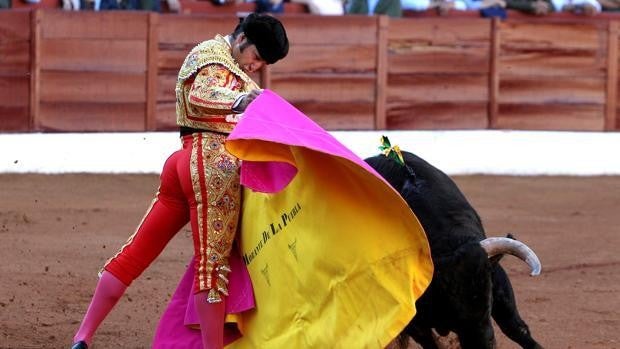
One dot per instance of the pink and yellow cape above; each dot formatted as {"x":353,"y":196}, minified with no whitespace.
{"x":336,"y":257}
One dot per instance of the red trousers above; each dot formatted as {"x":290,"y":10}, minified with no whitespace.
{"x":199,"y":184}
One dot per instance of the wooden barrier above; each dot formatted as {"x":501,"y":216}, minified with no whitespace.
{"x":552,"y":75}
{"x":92,"y":71}
{"x":15,"y":68}
{"x":116,"y":71}
{"x":334,"y":79}
{"x":611,"y":112}
{"x":337,"y":93}
{"x":438,"y":73}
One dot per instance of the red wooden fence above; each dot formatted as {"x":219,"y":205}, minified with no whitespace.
{"x":115,"y":71}
{"x":15,"y":70}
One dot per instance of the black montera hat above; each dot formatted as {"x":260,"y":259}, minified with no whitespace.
{"x":268,"y":34}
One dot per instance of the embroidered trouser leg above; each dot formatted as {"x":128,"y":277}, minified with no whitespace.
{"x":216,"y":198}
{"x":200,"y":184}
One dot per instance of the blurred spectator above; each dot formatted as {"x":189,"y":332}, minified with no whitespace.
{"x":578,"y":7}
{"x":173,"y":5}
{"x":484,"y":4}
{"x":488,"y":8}
{"x":147,"y":5}
{"x":323,"y":7}
{"x":416,"y":5}
{"x":262,"y":6}
{"x":269,"y":6}
{"x":88,"y":5}
{"x":71,"y":5}
{"x":442,"y":6}
{"x":391,"y":8}
{"x":102,"y":5}
{"x":610,"y":5}
{"x":535,"y":7}
{"x":544,"y":7}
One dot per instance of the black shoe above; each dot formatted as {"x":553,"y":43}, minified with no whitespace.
{"x":79,"y":345}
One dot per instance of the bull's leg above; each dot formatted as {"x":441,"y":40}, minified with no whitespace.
{"x":400,"y":342}
{"x":422,"y":336}
{"x":477,"y":336}
{"x":506,"y":314}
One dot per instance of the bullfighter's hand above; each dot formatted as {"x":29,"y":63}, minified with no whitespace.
{"x":249,"y":98}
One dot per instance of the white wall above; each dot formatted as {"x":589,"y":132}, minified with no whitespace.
{"x":455,"y":152}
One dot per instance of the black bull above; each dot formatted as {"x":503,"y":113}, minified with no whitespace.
{"x":469,"y":285}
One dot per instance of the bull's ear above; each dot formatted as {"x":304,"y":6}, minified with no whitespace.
{"x":495,"y":259}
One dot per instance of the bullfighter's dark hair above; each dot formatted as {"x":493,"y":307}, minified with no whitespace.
{"x":267,"y":33}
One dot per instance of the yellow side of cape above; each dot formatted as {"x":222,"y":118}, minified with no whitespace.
{"x":337,"y":258}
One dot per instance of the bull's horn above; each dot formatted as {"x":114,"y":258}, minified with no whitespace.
{"x":497,"y":245}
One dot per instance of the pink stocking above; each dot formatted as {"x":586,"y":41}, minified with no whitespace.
{"x":211,"y":317}
{"x":109,"y":290}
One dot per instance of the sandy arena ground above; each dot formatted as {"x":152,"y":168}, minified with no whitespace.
{"x":56,"y":231}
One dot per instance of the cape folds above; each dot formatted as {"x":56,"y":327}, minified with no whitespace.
{"x":336,"y":257}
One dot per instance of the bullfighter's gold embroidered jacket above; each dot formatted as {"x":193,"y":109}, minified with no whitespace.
{"x":208,"y":84}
